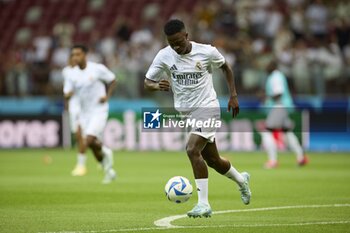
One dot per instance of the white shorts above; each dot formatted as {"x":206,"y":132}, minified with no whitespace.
{"x":211,"y":113}
{"x":74,"y":112}
{"x":210,"y":136}
{"x":93,"y":124}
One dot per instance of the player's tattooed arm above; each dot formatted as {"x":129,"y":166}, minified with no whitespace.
{"x":162,"y":85}
{"x":233,"y":101}
{"x":66,"y":104}
{"x":67,"y":96}
{"x":110,"y":88}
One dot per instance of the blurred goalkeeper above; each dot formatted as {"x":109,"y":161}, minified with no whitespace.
{"x":279,"y":102}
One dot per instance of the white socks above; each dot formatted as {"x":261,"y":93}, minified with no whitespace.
{"x":294,"y":145}
{"x":81,"y":159}
{"x":270,"y":146}
{"x":105,"y":149}
{"x":234,"y":175}
{"x":202,"y":190}
{"x":202,"y":184}
{"x":107,"y":161}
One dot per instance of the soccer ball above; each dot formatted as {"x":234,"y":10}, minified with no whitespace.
{"x":178,"y":189}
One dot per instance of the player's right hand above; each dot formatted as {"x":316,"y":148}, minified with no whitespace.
{"x":233,"y":105}
{"x":164,"y":85}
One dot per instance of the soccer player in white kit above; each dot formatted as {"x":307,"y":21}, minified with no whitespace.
{"x":189,"y":65}
{"x":73,"y":107}
{"x":279,"y":102}
{"x":93,"y":84}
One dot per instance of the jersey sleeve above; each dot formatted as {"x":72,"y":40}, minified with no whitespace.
{"x":156,"y":69}
{"x":67,"y":82}
{"x":105,"y":74}
{"x":277,"y":85}
{"x":216,"y":58}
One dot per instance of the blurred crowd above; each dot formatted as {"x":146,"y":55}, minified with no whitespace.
{"x":310,"y":39}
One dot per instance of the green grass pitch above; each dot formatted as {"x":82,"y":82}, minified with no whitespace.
{"x":37,"y":195}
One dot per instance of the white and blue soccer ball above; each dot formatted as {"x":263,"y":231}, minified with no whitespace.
{"x":178,"y":189}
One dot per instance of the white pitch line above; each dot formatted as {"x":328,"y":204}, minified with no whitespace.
{"x":166,"y":222}
{"x":212,"y":226}
{"x":268,"y":225}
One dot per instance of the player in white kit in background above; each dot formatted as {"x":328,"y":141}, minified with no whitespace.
{"x":189,"y":65}
{"x":93,"y":84}
{"x":73,"y":107}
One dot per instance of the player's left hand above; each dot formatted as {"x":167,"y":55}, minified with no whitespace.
{"x":164,"y":85}
{"x":103,"y":99}
{"x":233,"y":105}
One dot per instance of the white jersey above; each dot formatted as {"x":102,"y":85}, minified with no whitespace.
{"x":89,"y":86}
{"x":191,"y":74}
{"x":74,"y":106}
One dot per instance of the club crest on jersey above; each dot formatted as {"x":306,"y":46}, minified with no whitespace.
{"x":199,"y":66}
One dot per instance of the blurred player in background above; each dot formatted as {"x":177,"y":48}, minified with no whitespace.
{"x":190,"y":64}
{"x":93,"y":84}
{"x":279,"y":103}
{"x":73,"y":107}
